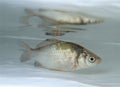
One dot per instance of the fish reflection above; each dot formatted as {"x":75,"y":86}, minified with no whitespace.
{"x":53,"y":17}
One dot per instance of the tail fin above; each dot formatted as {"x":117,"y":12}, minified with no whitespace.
{"x":26,"y":54}
{"x":30,"y":12}
{"x":25,"y":19}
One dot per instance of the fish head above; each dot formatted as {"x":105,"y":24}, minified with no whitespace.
{"x":88,"y":59}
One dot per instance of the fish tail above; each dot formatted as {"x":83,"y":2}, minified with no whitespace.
{"x":30,"y":12}
{"x":26,"y":56}
{"x":25,"y":19}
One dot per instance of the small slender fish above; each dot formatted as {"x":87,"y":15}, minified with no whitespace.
{"x":60,"y":17}
{"x":60,"y":55}
{"x":52,"y":31}
{"x":55,"y":33}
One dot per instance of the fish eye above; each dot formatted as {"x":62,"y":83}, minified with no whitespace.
{"x":92,"y":59}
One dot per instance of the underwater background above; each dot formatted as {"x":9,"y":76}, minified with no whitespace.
{"x":103,"y":39}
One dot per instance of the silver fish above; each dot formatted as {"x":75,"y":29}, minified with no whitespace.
{"x":60,"y":17}
{"x":60,"y":55}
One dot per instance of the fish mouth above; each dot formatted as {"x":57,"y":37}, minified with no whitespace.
{"x":99,"y":60}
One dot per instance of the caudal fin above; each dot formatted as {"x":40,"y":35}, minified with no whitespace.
{"x":26,"y":53}
{"x":29,"y":12}
{"x":25,"y":19}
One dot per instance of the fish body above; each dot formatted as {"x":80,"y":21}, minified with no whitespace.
{"x":60,"y":17}
{"x":60,"y":55}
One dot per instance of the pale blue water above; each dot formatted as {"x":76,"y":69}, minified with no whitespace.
{"x":103,"y":39}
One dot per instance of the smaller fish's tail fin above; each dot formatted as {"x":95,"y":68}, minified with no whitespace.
{"x":26,"y":55}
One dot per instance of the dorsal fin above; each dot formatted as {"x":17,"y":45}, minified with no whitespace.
{"x":47,"y":42}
